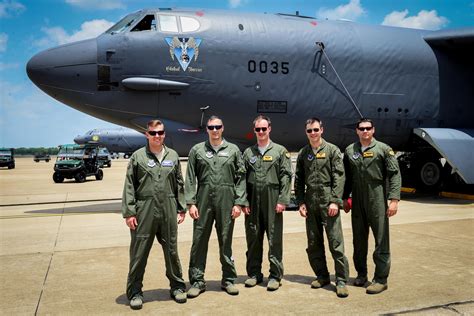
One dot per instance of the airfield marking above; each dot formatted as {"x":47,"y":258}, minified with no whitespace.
{"x":59,"y":214}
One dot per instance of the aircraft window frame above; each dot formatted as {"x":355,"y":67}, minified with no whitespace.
{"x":192,"y":25}
{"x":124,"y":23}
{"x":143,"y":21}
{"x":174,"y":24}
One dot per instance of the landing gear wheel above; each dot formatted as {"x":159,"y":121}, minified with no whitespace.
{"x":57,"y":177}
{"x":99,"y":175}
{"x":80,"y":177}
{"x":430,"y":174}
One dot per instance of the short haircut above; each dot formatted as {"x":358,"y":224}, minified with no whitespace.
{"x":262,"y":117}
{"x":312,"y":120}
{"x":365,"y":120}
{"x":214,"y":117}
{"x":155,"y":123}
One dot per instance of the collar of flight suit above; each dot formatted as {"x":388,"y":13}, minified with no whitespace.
{"x":371,"y":145}
{"x":320,"y":148}
{"x":209,"y":146}
{"x":255,"y":148}
{"x":151,"y":154}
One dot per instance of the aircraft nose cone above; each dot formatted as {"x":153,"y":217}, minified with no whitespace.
{"x":67,"y":67}
{"x":79,"y":140}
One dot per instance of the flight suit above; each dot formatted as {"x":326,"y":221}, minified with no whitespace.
{"x":154,"y":193}
{"x":268,"y":183}
{"x":323,"y":175}
{"x":215,"y":183}
{"x":373,"y":176}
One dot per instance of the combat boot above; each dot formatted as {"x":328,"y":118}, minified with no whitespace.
{"x":252,"y":281}
{"x":230,"y":288}
{"x":136,"y":302}
{"x":319,"y":283}
{"x":179,"y":296}
{"x":376,"y":288}
{"x":273,"y":285}
{"x":341,"y":289}
{"x":195,"y":290}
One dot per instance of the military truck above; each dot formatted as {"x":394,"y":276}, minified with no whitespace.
{"x":39,"y":157}
{"x":77,"y":162}
{"x":105,"y":159}
{"x":7,"y":158}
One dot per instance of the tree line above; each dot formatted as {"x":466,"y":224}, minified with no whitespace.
{"x":36,"y":150}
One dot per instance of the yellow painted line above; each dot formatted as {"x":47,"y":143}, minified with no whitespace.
{"x":460,"y":196}
{"x":408,"y":190}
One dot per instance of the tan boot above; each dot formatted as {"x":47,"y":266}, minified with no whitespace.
{"x":319,"y":283}
{"x":376,"y":288}
{"x":341,"y":289}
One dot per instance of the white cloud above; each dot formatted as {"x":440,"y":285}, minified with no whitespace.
{"x":428,"y":20}
{"x":94,"y":4}
{"x":57,"y":35}
{"x":236,"y":3}
{"x":3,"y":42}
{"x":350,"y":11}
{"x":10,"y":8}
{"x":5,"y":66}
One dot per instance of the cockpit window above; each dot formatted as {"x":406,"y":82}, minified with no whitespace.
{"x":189,"y":24}
{"x":148,"y":23}
{"x":123,"y":24}
{"x":168,"y":23}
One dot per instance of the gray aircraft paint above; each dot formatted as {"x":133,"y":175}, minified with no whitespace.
{"x":402,"y":78}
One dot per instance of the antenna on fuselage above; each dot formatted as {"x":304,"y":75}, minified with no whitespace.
{"x":321,"y":47}
{"x":203,"y":109}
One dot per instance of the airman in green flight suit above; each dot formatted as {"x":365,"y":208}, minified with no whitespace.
{"x":373,"y":177}
{"x":268,"y":177}
{"x":215,"y":192}
{"x":319,"y":184}
{"x":153,"y":205}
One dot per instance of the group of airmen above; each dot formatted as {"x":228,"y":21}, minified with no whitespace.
{"x":221,"y":183}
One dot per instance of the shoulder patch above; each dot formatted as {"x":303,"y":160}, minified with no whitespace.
{"x":391,"y":152}
{"x":287,"y":155}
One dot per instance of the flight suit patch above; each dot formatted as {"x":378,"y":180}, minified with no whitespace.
{"x":209,"y":154}
{"x":151,"y":163}
{"x":253,"y":159}
{"x":368,"y":154}
{"x":223,"y":154}
{"x":320,"y":155}
{"x":287,"y":155}
{"x":267,"y":158}
{"x":167,"y":163}
{"x":356,"y":155}
{"x":310,"y":157}
{"x":391,"y":153}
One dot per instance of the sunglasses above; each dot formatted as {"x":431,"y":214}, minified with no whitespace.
{"x":311,"y":130}
{"x":214,"y":127}
{"x":154,"y":133}
{"x":363,"y":129}
{"x":260,"y":129}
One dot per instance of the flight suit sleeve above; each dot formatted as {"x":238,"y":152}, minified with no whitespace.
{"x":393,"y":175}
{"x":285,"y":178}
{"x":240,"y":197}
{"x":338,"y":177}
{"x":300,"y":179}
{"x":128,"y":196}
{"x":180,"y":200}
{"x":348,"y":174}
{"x":190,"y":187}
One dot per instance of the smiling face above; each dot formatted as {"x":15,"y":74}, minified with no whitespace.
{"x":153,"y":135}
{"x":314,"y":132}
{"x":262,"y":131}
{"x":215,"y":128}
{"x":365,"y":131}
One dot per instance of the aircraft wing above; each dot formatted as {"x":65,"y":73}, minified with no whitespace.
{"x":455,"y":145}
{"x":451,"y":38}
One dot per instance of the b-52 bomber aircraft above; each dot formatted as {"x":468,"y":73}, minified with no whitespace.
{"x":185,"y":65}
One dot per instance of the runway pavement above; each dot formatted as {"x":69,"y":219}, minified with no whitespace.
{"x":64,"y":250}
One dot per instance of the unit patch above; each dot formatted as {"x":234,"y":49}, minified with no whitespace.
{"x":184,"y":49}
{"x":253,"y":159}
{"x":209,"y":154}
{"x":288,"y":155}
{"x":391,"y":153}
{"x":356,"y":155}
{"x":310,"y":157}
{"x":167,"y":163}
{"x":151,"y":163}
{"x":368,"y":154}
{"x":267,"y":158}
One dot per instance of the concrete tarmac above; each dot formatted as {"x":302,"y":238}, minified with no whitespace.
{"x":64,"y":250}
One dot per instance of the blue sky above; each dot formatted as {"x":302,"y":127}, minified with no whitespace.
{"x":29,"y":118}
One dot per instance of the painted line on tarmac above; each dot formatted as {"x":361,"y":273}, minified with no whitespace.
{"x":59,"y":214}
{"x":57,"y":202}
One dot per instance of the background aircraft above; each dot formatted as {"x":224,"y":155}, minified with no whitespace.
{"x":185,"y":65}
